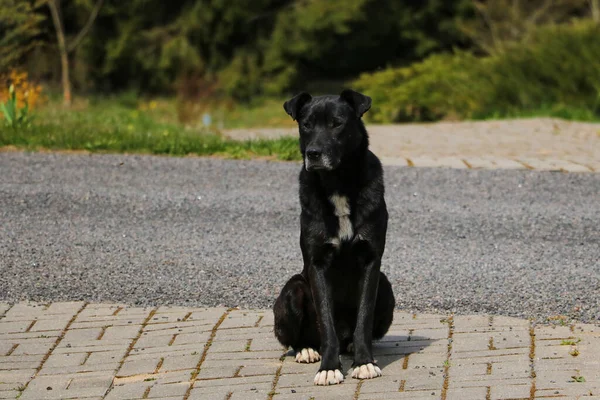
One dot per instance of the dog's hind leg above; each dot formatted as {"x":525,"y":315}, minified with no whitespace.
{"x":384,"y":308}
{"x":295,"y":320}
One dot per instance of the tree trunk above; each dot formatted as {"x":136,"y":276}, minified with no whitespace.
{"x":62,"y":48}
{"x":595,"y":5}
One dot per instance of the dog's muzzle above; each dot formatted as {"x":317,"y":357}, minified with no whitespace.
{"x":315,"y":160}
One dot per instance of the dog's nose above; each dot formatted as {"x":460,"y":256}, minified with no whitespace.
{"x":313,"y":154}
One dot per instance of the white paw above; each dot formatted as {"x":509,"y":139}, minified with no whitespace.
{"x":307,"y":356}
{"x":366,"y":371}
{"x":329,"y":377}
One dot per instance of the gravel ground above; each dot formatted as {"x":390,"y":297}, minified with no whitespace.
{"x":192,"y":231}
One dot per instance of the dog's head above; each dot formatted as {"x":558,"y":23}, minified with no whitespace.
{"x":330,"y":126}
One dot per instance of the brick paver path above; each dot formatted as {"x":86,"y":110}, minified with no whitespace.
{"x":108,"y":351}
{"x":538,"y":144}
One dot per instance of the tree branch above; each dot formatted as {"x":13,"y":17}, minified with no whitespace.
{"x":595,"y":6}
{"x":540,"y":12}
{"x":62,"y":48}
{"x":86,"y":28}
{"x":60,"y":33}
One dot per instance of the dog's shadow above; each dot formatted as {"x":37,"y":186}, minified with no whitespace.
{"x":394,"y":348}
{"x":390,"y":349}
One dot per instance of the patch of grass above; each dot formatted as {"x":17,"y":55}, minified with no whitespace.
{"x":574,"y":352}
{"x":558,"y":320}
{"x":108,"y":126}
{"x":149,"y":379}
{"x":20,"y":389}
{"x":578,"y":378}
{"x":569,"y":342}
{"x":562,"y":111}
{"x":262,"y":114}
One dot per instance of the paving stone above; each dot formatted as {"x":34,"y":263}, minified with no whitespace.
{"x":232,"y":381}
{"x":249,"y":330}
{"x":18,"y":365}
{"x":120,"y":332}
{"x":138,"y":367}
{"x":382,"y":384}
{"x":408,"y":395}
{"x":489,"y":381}
{"x":58,"y":388}
{"x":211,"y":314}
{"x":239,"y":322}
{"x":211,"y":391}
{"x":265,"y":344}
{"x":92,"y":381}
{"x":19,"y":376}
{"x":425,"y":161}
{"x":491,"y":353}
{"x":250,"y":395}
{"x":474,"y":393}
{"x":471,"y":323}
{"x":90,"y":346}
{"x":395,"y":161}
{"x":243,"y":355}
{"x":552,"y":332}
{"x":253,"y":370}
{"x":10,"y":394}
{"x":493,"y":163}
{"x":25,"y":309}
{"x":4,"y":307}
{"x":14,"y":326}
{"x":181,"y":349}
{"x":171,"y":389}
{"x":229,"y":346}
{"x":554,"y":165}
{"x":54,"y":324}
{"x":128,"y":391}
{"x":220,"y":372}
{"x":198,"y":338}
{"x":172,"y":328}
{"x":174,"y":363}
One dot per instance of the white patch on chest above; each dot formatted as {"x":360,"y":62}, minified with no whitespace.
{"x":342,"y":211}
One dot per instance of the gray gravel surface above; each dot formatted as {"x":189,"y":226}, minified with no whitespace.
{"x":192,"y":231}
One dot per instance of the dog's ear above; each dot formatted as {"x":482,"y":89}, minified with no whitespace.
{"x":293,"y":105}
{"x":359,"y":102}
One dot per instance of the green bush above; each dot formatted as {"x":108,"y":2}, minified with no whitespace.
{"x":557,"y":73}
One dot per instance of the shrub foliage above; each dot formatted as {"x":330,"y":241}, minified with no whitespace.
{"x":557,"y":70}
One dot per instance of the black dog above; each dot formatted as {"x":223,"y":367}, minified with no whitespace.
{"x":341,"y":299}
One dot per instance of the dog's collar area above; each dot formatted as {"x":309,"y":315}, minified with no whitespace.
{"x":341,"y":208}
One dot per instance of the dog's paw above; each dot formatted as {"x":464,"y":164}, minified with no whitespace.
{"x":366,"y":371}
{"x":307,"y":356}
{"x":329,"y":377}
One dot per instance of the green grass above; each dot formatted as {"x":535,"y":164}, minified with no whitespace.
{"x":561,"y":111}
{"x":111,"y":126}
{"x":263,"y":114}
{"x":569,"y":342}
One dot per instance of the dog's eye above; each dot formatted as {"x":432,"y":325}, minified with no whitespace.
{"x":335,"y":123}
{"x":306,"y":124}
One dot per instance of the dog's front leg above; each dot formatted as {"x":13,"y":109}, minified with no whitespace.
{"x":330,"y":371}
{"x":364,"y":364}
